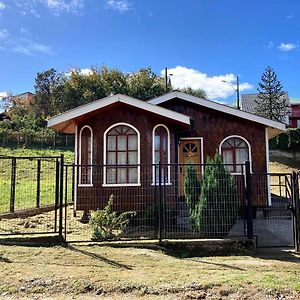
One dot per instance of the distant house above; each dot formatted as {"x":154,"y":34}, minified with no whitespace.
{"x":117,"y":137}
{"x":248,"y":103}
{"x":24,"y":98}
{"x":295,"y":115}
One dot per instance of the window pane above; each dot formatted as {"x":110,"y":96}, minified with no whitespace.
{"x":132,"y":158}
{"x":111,"y":143}
{"x":122,"y":158}
{"x":111,"y":175}
{"x":157,"y":142}
{"x":241,"y":156}
{"x":111,"y":158}
{"x":122,"y":175}
{"x":156,"y":157}
{"x":227,"y":157}
{"x":133,"y":175}
{"x":122,"y":143}
{"x":132,"y":142}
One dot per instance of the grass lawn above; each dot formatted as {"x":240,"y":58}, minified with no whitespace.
{"x":130,"y":272}
{"x":26,"y":177}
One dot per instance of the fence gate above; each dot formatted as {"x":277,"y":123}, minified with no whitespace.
{"x":29,"y":195}
{"x":274,"y":214}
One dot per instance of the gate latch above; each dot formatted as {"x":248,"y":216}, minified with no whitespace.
{"x":290,"y":207}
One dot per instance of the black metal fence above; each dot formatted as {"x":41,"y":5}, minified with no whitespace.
{"x":29,"y":195}
{"x":162,"y":202}
{"x":42,"y":195}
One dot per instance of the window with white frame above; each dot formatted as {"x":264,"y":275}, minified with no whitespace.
{"x":298,"y":123}
{"x":235,"y":151}
{"x":161,"y":153}
{"x":85,"y":155}
{"x":121,"y":155}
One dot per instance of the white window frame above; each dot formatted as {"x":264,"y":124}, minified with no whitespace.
{"x":249,"y":149}
{"x":168,"y":158}
{"x":91,"y":161}
{"x":104,"y":157}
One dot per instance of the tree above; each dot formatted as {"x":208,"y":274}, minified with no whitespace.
{"x":197,"y":93}
{"x":271,"y":102}
{"x":45,"y":101}
{"x":214,"y":210}
{"x":145,"y":84}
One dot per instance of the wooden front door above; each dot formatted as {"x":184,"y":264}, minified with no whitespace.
{"x":189,"y":152}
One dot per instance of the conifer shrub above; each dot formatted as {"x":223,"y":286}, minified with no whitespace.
{"x":107,"y":224}
{"x":213,"y":209}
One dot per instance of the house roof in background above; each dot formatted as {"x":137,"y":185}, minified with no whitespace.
{"x":248,"y":103}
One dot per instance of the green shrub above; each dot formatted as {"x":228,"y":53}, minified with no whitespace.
{"x":287,"y":141}
{"x":108,"y":224}
{"x":191,"y":186}
{"x":215,"y":211}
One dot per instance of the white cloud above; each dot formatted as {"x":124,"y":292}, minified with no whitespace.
{"x":29,"y":47}
{"x":212,"y":85}
{"x":85,"y":71}
{"x":2,"y":5}
{"x":287,"y":47}
{"x":57,"y":7}
{"x":3,"y":33}
{"x":3,"y":94}
{"x":270,"y":45}
{"x":119,"y":5}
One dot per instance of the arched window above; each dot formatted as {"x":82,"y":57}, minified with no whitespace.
{"x":235,"y":150}
{"x":85,"y":155}
{"x":121,"y":155}
{"x":161,"y":153}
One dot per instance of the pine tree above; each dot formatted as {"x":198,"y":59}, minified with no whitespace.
{"x":271,"y":102}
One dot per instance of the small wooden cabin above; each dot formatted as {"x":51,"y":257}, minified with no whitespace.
{"x":119,"y":138}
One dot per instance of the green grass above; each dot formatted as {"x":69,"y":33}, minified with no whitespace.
{"x":26,"y":177}
{"x":118,"y":272}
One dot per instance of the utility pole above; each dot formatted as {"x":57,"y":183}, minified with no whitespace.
{"x":166,"y":79}
{"x":237,"y":92}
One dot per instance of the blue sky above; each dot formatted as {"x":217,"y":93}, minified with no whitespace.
{"x":202,"y":41}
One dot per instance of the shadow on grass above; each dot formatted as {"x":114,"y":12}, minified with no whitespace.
{"x":31,"y":241}
{"x":98,"y":257}
{"x":218,"y":264}
{"x":281,"y":254}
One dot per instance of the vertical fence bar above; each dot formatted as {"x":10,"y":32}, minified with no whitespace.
{"x":66,"y":203}
{"x":61,"y":195}
{"x":296,"y":211}
{"x":160,"y":203}
{"x":38,"y":183}
{"x":13,"y":184}
{"x":56,"y":193}
{"x":249,"y":212}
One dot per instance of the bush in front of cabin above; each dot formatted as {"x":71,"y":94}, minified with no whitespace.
{"x":216,"y":208}
{"x":107,"y":224}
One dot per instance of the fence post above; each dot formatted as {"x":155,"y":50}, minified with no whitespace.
{"x":160,"y":203}
{"x":56,"y":193}
{"x":38,"y":184}
{"x":296,"y":210}
{"x":61,"y":195}
{"x":13,"y":184}
{"x":249,"y":212}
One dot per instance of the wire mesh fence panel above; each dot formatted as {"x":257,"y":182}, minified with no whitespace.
{"x":28,"y":194}
{"x":272,"y":214}
{"x":153,"y":202}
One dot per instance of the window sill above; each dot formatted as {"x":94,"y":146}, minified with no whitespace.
{"x":85,"y":185}
{"x":120,"y":184}
{"x":157,"y":184}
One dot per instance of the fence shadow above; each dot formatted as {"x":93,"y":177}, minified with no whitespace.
{"x":98,"y":257}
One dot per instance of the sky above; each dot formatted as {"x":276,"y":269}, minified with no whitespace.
{"x":201,"y":42}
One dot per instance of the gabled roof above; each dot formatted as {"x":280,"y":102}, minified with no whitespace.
{"x":219,"y":107}
{"x":65,"y":122}
{"x":248,"y":102}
